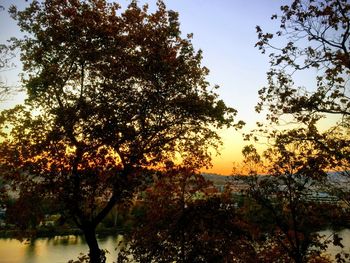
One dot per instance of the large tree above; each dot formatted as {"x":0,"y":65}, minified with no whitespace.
{"x":317,"y":42}
{"x":313,"y":40}
{"x":111,"y":93}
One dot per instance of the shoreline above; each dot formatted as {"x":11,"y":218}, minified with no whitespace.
{"x":50,"y":233}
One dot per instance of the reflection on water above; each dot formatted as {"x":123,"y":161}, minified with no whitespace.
{"x":333,"y":250}
{"x":58,"y":249}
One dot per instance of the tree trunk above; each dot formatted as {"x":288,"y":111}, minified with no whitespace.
{"x":95,"y":254}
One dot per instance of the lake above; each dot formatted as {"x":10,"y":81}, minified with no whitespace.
{"x":60,"y":249}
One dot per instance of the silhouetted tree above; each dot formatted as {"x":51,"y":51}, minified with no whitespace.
{"x":184,"y":223}
{"x":6,"y":63}
{"x":290,"y":214}
{"x":317,"y":35}
{"x":318,"y":41}
{"x":110,"y":94}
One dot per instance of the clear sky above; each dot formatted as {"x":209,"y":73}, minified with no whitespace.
{"x":225,"y":31}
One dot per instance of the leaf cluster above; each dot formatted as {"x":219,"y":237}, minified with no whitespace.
{"x":111,"y":95}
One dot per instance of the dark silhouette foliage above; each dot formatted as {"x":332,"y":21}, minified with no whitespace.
{"x":317,"y":35}
{"x":111,"y":94}
{"x":183,"y":223}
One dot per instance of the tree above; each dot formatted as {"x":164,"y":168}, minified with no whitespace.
{"x":317,"y":35}
{"x":111,"y":94}
{"x":6,"y":63}
{"x":6,"y":56}
{"x":318,"y":41}
{"x":288,"y":217}
{"x":181,"y":223}
{"x":324,"y":28}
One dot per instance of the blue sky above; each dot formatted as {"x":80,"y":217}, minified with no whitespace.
{"x":225,"y":31}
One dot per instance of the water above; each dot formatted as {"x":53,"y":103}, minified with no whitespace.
{"x":62,"y":249}
{"x":333,"y":250}
{"x":59,"y":249}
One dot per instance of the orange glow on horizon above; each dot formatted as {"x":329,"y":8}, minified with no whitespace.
{"x":229,"y":152}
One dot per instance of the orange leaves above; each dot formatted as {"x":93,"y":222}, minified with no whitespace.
{"x":116,"y":94}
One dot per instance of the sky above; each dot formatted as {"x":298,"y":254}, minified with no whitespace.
{"x":225,"y":31}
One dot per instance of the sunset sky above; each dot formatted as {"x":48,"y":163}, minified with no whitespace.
{"x":225,"y":31}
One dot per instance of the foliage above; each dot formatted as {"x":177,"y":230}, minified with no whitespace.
{"x":111,"y":95}
{"x":6,"y":57}
{"x":294,"y":217}
{"x":318,"y":37}
{"x":86,"y":259}
{"x":317,"y":34}
{"x":182,"y":224}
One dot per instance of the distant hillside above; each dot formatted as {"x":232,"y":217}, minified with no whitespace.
{"x":335,"y":178}
{"x":340,"y":179}
{"x":217,"y":179}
